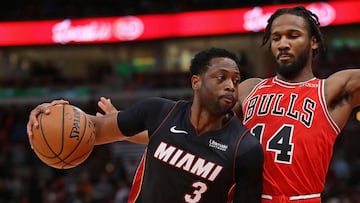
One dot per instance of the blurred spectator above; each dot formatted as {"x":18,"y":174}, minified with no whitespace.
{"x":103,"y":190}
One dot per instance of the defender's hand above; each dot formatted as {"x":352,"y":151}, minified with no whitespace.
{"x":106,"y":105}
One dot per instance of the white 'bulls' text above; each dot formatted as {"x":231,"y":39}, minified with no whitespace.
{"x":266,"y":104}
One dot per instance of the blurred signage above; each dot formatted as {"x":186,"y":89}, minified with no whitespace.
{"x":157,"y":26}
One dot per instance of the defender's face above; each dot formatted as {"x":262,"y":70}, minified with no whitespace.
{"x":291,"y":44}
{"x":219,"y":85}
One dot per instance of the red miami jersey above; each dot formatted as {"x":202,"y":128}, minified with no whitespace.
{"x":297,"y":135}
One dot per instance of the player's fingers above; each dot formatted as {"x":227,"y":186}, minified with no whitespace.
{"x":29,"y":129}
{"x":60,"y":101}
{"x":41,"y":108}
{"x":44,"y":108}
{"x":34,"y":114}
{"x":106,"y":105}
{"x":103,"y":99}
{"x":109,"y":106}
{"x":33,"y":122}
{"x":29,"y":132}
{"x":102,"y":106}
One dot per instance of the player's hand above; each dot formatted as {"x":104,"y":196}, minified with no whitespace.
{"x":34,"y":114}
{"x":106,"y":106}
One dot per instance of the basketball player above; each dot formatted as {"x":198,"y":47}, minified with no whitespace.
{"x":296,"y":116}
{"x":198,"y":151}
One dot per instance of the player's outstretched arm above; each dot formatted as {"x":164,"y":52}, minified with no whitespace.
{"x":353,"y":86}
{"x":348,"y":82}
{"x":342,"y":94}
{"x":106,"y":127}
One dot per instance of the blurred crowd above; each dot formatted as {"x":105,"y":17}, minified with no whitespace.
{"x":55,"y":9}
{"x":106,"y":176}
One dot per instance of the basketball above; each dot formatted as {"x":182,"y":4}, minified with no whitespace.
{"x":65,"y":137}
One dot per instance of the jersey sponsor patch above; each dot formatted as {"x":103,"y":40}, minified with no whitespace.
{"x":217,"y":145}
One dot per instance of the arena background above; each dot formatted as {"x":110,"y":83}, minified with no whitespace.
{"x":126,"y":71}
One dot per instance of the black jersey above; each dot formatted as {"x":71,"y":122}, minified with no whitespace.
{"x":181,"y":166}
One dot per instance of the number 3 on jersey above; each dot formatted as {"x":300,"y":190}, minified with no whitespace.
{"x":280,"y":142}
{"x":195,"y":197}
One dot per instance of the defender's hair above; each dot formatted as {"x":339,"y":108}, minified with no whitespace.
{"x":201,"y":61}
{"x":311,"y":19}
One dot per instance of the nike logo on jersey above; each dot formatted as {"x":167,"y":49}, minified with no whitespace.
{"x":174,"y":130}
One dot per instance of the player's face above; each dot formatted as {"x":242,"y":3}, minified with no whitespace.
{"x":219,"y":83}
{"x":291,"y":45}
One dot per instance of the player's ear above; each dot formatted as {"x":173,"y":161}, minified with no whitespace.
{"x":195,"y":82}
{"x":314,"y":43}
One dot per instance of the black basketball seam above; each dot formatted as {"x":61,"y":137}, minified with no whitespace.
{"x":66,"y":162}
{"x":56,"y":156}
{"x":62,"y":136}
{"x":69,"y":154}
{"x":62,"y":129}
{"x":86,"y":154}
{"x":73,"y":165}
{"x":46,"y":142}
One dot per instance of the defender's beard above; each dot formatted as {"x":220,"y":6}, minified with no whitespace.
{"x":291,"y":70}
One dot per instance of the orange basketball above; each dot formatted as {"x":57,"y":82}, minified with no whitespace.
{"x":65,"y":137}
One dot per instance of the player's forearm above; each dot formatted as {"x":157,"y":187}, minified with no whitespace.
{"x":140,"y":138}
{"x":106,"y":129}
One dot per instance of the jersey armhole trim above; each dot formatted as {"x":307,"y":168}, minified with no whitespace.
{"x":138,"y":180}
{"x":236,"y":152}
{"x":321,"y":93}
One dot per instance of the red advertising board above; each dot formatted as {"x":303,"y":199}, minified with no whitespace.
{"x":146,"y":27}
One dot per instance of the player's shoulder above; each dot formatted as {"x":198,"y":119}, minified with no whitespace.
{"x":344,"y":72}
{"x":153,"y":105}
{"x":336,"y":81}
{"x":250,"y":139}
{"x":247,"y":139}
{"x":341,"y":77}
{"x":158,"y":100}
{"x":152,"y":102}
{"x":249,"y":143}
{"x":250,"y":82}
{"x":246,"y":86}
